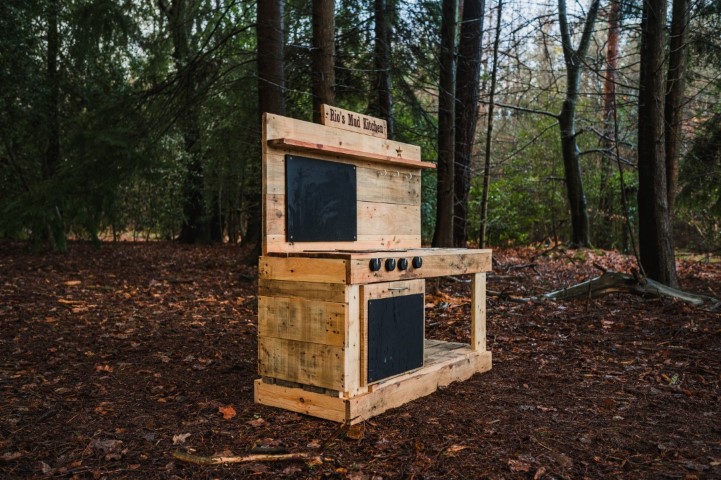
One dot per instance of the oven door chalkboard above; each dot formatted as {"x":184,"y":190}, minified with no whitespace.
{"x":320,"y":200}
{"x":395,"y":336}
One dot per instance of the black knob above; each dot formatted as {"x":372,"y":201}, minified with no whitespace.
{"x":390,"y":264}
{"x":417,"y":262}
{"x":375,"y":264}
{"x":402,"y":263}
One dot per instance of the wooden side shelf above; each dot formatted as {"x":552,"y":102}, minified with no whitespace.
{"x":300,"y":145}
{"x":444,"y":363}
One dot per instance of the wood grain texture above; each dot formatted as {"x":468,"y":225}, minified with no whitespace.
{"x":327,"y":292}
{"x":478,"y":312}
{"x":301,"y":401}
{"x":303,"y":320}
{"x":346,"y":120}
{"x":302,"y":362}
{"x":305,"y":269}
{"x":279,"y":127}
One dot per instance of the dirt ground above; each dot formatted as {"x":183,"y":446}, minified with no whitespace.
{"x":113,"y":359}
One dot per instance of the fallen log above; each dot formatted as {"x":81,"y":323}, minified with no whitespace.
{"x":286,"y":457}
{"x":616,"y":282}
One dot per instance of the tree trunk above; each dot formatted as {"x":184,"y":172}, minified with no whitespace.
{"x":383,"y":14}
{"x":654,"y":235}
{"x":195,"y":226}
{"x":574,"y":59}
{"x":322,"y":55}
{"x":53,"y":231}
{"x":271,"y":99}
{"x":489,"y":132}
{"x":466,"y":114}
{"x":675,"y":84}
{"x":443,"y":235}
{"x":271,"y":71}
{"x":606,"y":193}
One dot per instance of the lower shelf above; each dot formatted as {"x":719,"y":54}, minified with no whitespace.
{"x":444,"y":363}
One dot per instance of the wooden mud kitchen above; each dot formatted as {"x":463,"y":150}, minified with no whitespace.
{"x":341,"y":283}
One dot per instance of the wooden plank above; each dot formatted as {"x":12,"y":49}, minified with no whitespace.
{"x":392,"y":289}
{"x":355,"y":122}
{"x":302,"y":362}
{"x":301,"y":401}
{"x":303,"y":320}
{"x":278,"y":127}
{"x":373,"y":218}
{"x":328,"y":292}
{"x":417,"y":384}
{"x":400,"y":185}
{"x":283,"y":127}
{"x":434,"y":265}
{"x":384,"y":218}
{"x":352,"y":367}
{"x":305,"y":269}
{"x":277,"y":244}
{"x":478,"y":312}
{"x":294,"y":144}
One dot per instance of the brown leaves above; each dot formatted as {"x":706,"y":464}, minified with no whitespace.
{"x":228,"y":412}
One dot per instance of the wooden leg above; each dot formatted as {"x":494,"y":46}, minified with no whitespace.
{"x":352,"y":367}
{"x":478,"y":313}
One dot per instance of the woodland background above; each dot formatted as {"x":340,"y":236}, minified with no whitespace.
{"x":140,"y":119}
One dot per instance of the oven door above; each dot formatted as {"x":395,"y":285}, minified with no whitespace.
{"x":392,"y":337}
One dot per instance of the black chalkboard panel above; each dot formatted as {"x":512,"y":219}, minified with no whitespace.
{"x":320,"y":200}
{"x":395,"y":335}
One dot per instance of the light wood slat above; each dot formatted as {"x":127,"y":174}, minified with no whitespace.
{"x":279,"y":127}
{"x":478,"y":312}
{"x":302,"y":362}
{"x":303,"y":146}
{"x":381,"y":218}
{"x":327,"y":292}
{"x":305,"y":269}
{"x":301,"y":401}
{"x":352,"y":354}
{"x":277,"y":244}
{"x":433,"y":266}
{"x":339,"y":118}
{"x":372,"y":218}
{"x":400,"y":390}
{"x":375,"y":184}
{"x":303,"y":320}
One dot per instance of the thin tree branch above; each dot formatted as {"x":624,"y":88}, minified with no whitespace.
{"x":522,"y":109}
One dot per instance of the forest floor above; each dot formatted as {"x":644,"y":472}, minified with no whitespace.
{"x":112,"y":359}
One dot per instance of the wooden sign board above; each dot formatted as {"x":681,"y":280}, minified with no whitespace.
{"x":355,"y":122}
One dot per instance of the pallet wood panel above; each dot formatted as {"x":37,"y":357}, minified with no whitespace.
{"x":478,"y":312}
{"x":307,"y":269}
{"x":278,"y":127}
{"x":433,"y":266}
{"x":460,"y":365}
{"x":303,"y":320}
{"x":302,"y":362}
{"x":445,"y":363}
{"x":327,"y":292}
{"x":355,"y":122}
{"x":300,"y":401}
{"x":351,"y":359}
{"x":373,"y":219}
{"x":401,"y":184}
{"x":364,"y":242}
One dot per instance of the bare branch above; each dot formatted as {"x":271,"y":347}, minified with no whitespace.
{"x":522,"y":109}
